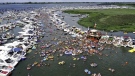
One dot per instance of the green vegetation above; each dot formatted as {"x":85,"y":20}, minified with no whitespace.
{"x":108,"y":19}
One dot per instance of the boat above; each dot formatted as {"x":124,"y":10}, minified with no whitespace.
{"x":68,"y":52}
{"x":109,"y":40}
{"x":7,"y":36}
{"x":5,"y":70}
{"x":126,"y":41}
{"x":112,"y":70}
{"x":5,"y":73}
{"x":8,"y":61}
{"x":23,"y":58}
{"x":117,"y":41}
{"x":28,"y":67}
{"x":3,"y":41}
{"x":132,"y":50}
{"x":61,"y":63}
{"x":93,"y":65}
{"x":34,"y":47}
{"x":103,"y":39}
{"x":51,"y":57}
{"x":87,"y":71}
{"x":35,"y":63}
{"x":98,"y":74}
{"x":15,"y":53}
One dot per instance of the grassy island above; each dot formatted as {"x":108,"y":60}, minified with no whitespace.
{"x":107,"y":19}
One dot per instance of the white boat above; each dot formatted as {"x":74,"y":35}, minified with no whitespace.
{"x":126,"y":41}
{"x":5,"y":73}
{"x":4,"y":60}
{"x":5,"y":68}
{"x":7,"y":36}
{"x":3,"y":41}
{"x":20,"y":23}
{"x":104,"y":39}
{"x":117,"y":41}
{"x":110,"y":40}
{"x":93,"y":65}
{"x":15,"y":55}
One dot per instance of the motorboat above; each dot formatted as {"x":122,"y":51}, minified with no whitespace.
{"x":117,"y":41}
{"x":93,"y":65}
{"x":126,"y":40}
{"x":5,"y":73}
{"x":4,"y":60}
{"x":103,"y":39}
{"x":16,"y":52}
{"x":5,"y":70}
{"x":3,"y":41}
{"x":7,"y":36}
{"x":109,"y":40}
{"x":20,"y":23}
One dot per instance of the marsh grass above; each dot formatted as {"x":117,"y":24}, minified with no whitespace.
{"x":107,"y":19}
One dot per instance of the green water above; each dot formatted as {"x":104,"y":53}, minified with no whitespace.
{"x":116,"y":59}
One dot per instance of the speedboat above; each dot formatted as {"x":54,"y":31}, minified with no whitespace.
{"x":4,"y":60}
{"x":14,"y":56}
{"x":5,"y":70}
{"x":7,"y":36}
{"x":14,"y":52}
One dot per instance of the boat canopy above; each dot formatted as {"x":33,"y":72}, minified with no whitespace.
{"x":16,"y":49}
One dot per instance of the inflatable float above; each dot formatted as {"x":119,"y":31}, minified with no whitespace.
{"x":132,"y":50}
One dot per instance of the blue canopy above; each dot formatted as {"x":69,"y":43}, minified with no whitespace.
{"x":16,"y":49}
